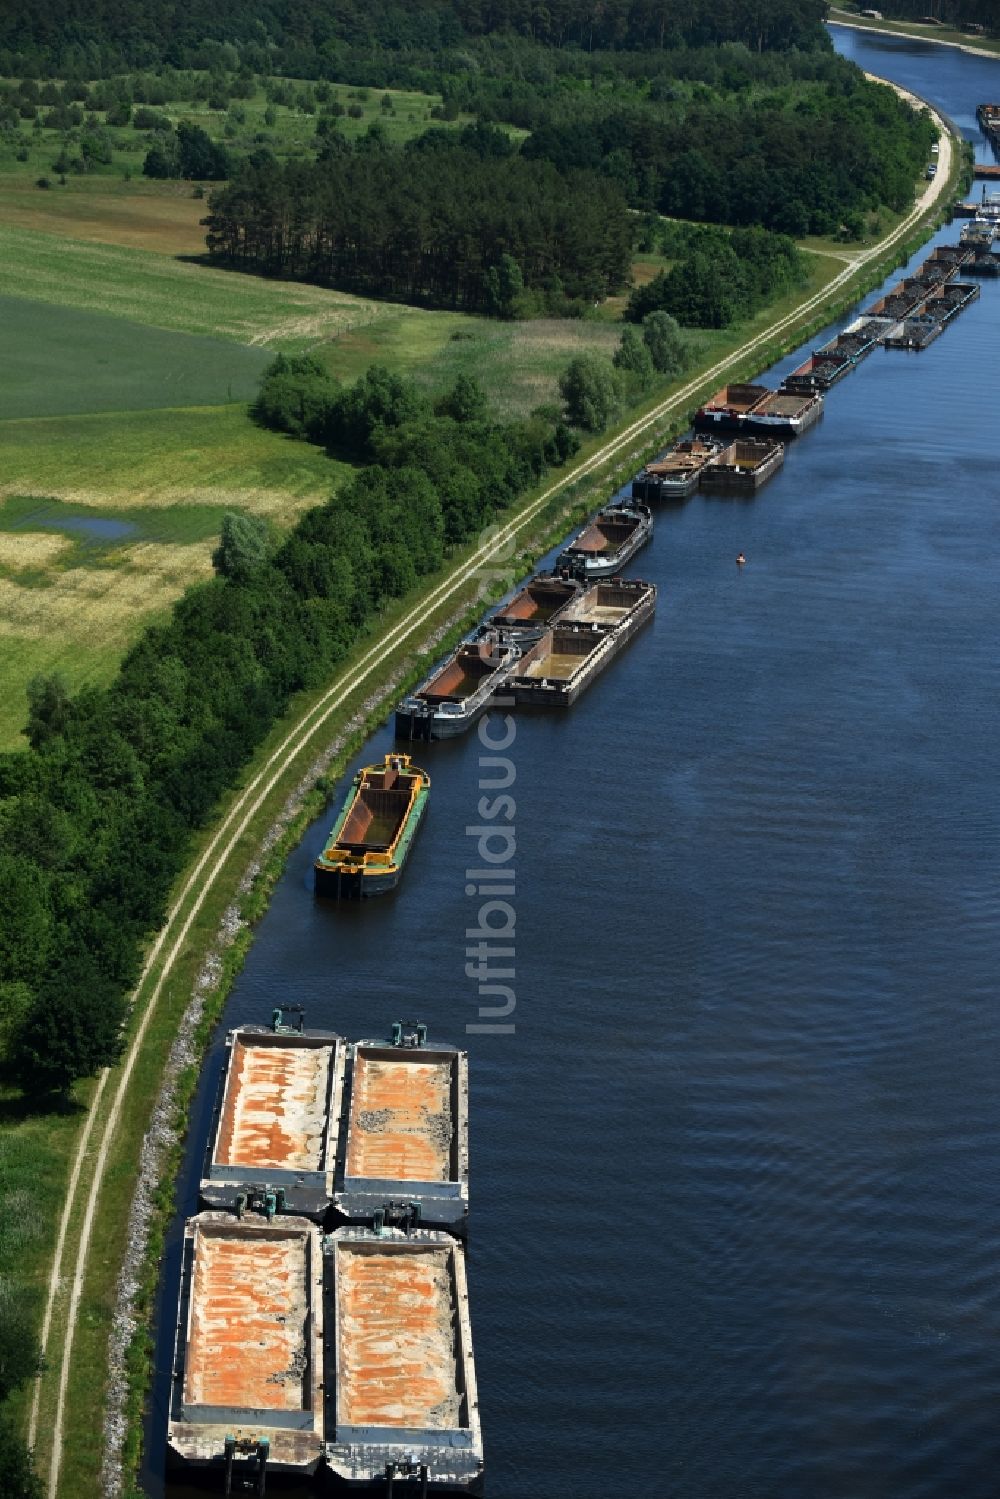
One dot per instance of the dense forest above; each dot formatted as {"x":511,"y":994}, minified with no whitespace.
{"x":436,"y":222}
{"x":88,"y":38}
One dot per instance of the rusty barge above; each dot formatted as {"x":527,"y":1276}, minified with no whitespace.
{"x":609,"y":541}
{"x":370,"y":841}
{"x":247,"y":1392}
{"x":273,"y":1141}
{"x":588,"y":636}
{"x":729,"y":408}
{"x":784,"y":413}
{"x":536,"y":606}
{"x":744,"y":466}
{"x":403,"y":1397}
{"x":460,"y":691}
{"x":406,"y":1142}
{"x":676,"y":474}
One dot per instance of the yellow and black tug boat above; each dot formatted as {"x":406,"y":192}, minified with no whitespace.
{"x":371,"y":839}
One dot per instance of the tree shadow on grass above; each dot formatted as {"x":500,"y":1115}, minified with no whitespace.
{"x":20,"y":1108}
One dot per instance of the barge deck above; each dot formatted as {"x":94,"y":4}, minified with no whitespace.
{"x":407,"y":1147}
{"x":784,"y":413}
{"x":404,"y":1398}
{"x":248,"y":1385}
{"x":277,"y":1122}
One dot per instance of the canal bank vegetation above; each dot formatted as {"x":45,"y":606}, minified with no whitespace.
{"x":974,"y":23}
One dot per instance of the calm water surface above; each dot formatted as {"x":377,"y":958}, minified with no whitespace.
{"x":736,"y":1176}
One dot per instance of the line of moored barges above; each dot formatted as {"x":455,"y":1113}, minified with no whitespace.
{"x":740,"y":431}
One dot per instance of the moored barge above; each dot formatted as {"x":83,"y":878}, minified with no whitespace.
{"x":536,"y":606}
{"x":948,"y":301}
{"x":460,"y":691}
{"x":914,"y":332}
{"x":247,"y":1395}
{"x":406,"y":1148}
{"x":676,"y":474}
{"x":609,"y":541}
{"x":729,"y":408}
{"x":744,"y":466}
{"x":370,"y":842}
{"x":402,"y":1386}
{"x":568,"y":657}
{"x":273,"y":1142}
{"x":783,"y":413}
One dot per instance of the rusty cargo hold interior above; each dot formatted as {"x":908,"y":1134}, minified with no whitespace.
{"x":402,"y":1116}
{"x":460,"y":677}
{"x":538,"y":601}
{"x":378,"y":813}
{"x":278,"y":1120}
{"x":686,"y":457}
{"x":606,"y":533}
{"x":737,"y":398}
{"x":250,"y":1339}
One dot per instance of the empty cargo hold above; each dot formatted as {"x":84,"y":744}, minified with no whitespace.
{"x":405,"y":1399}
{"x":277,"y":1121}
{"x":407,"y":1133}
{"x":249,"y":1345}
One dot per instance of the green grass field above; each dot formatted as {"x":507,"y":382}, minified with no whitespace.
{"x":70,"y":600}
{"x":161,"y":291}
{"x":60,"y":360}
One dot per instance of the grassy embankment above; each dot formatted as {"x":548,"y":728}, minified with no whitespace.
{"x":40,"y":1149}
{"x":925,"y":31}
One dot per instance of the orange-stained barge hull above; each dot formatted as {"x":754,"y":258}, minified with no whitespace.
{"x":277,"y":1120}
{"x":407,"y":1133}
{"x":248,"y":1354}
{"x":405,"y":1392}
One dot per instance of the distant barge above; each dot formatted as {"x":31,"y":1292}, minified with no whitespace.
{"x":370,"y":842}
{"x":567,"y":658}
{"x":460,"y":691}
{"x":783,"y":413}
{"x":744,"y":466}
{"x":729,"y":408}
{"x":677,"y":473}
{"x":610,"y":541}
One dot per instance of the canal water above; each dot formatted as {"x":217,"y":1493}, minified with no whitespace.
{"x":736,"y":1171}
